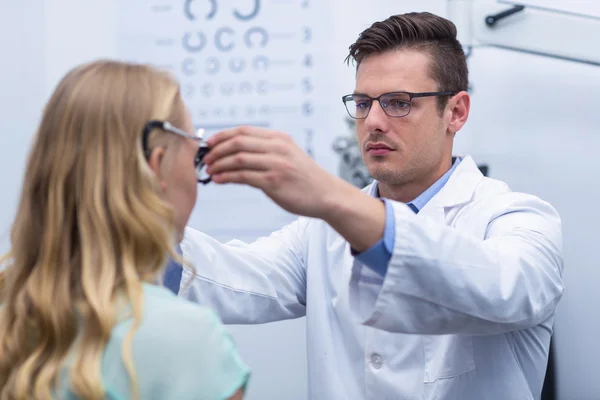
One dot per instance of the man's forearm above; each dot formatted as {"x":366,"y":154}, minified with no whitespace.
{"x":356,"y":216}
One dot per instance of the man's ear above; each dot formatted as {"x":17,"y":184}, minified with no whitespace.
{"x":155,"y":161}
{"x":459,"y":106}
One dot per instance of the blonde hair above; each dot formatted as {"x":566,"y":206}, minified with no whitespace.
{"x":90,"y":228}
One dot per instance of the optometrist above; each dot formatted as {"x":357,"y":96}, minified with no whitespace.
{"x":434,"y":282}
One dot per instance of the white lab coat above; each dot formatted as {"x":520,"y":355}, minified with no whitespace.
{"x":465,"y":311}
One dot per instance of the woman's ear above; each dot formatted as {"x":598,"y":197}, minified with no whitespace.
{"x":157,"y":157}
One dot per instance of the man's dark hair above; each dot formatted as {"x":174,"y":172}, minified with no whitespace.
{"x":419,"y":31}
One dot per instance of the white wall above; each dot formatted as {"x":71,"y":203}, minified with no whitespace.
{"x":21,"y":98}
{"x":533,"y":120}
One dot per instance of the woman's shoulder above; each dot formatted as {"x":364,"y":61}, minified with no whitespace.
{"x":173,"y":322}
{"x":161,"y":304}
{"x":182,"y":348}
{"x":169,"y":318}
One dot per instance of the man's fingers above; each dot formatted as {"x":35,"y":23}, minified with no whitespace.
{"x":237,"y":144}
{"x":240,"y":162}
{"x":252,"y":178}
{"x":243,"y":130}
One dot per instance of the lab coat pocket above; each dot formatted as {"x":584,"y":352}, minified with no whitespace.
{"x":447,"y":356}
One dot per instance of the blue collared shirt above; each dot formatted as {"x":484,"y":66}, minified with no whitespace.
{"x":172,"y":276}
{"x":378,"y":256}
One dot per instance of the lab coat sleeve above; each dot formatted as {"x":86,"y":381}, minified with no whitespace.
{"x":443,"y":281}
{"x":252,"y":283}
{"x":378,"y":256}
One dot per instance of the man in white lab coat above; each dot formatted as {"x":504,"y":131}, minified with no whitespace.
{"x":434,"y":282}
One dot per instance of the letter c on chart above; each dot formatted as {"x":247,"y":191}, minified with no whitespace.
{"x":213,"y":9}
{"x":212,"y":65}
{"x":256,"y":31}
{"x":188,"y":90}
{"x":227,"y":89}
{"x":237,"y":65}
{"x":245,"y":87}
{"x":194,"y":47}
{"x":261,"y":87}
{"x":189,"y":66}
{"x":207,"y":89}
{"x":221,"y":45}
{"x":187,"y":10}
{"x":260,"y":63}
{"x":250,"y":15}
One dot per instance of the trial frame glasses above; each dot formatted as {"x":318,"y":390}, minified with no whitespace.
{"x":166,"y":126}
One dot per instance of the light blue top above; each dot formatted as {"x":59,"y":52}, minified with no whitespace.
{"x":378,"y":256}
{"x":181,"y":351}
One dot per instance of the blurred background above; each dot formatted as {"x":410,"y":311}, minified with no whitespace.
{"x":534,"y":122}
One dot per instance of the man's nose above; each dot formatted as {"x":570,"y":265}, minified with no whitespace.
{"x":377,"y":119}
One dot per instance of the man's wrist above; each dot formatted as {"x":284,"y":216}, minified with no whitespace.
{"x":357,"y":216}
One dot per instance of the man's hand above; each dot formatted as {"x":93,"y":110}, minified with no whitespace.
{"x":271,"y":161}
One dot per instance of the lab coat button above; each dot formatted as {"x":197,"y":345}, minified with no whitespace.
{"x":376,"y":361}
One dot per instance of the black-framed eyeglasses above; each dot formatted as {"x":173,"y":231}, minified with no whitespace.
{"x":394,"y":104}
{"x":203,"y":149}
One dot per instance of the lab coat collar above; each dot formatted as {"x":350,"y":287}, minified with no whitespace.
{"x":461,"y":186}
{"x":458,"y":190}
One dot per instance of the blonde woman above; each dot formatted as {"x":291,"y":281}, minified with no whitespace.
{"x":109,"y":186}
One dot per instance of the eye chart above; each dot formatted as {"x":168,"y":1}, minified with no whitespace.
{"x":257,"y":62}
